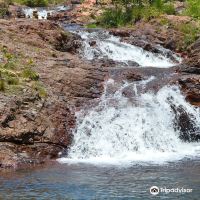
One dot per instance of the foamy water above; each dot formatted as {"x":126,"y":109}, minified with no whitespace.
{"x":133,"y":130}
{"x":108,"y":46}
{"x":43,"y":12}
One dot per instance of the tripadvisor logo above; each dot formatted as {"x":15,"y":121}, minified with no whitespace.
{"x":154,"y":190}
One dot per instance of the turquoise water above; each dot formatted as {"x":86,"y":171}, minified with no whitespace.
{"x":85,"y":182}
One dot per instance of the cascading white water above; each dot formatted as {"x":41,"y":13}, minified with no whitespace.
{"x":42,"y":12}
{"x":107,"y":46}
{"x":122,"y":130}
{"x":138,"y":128}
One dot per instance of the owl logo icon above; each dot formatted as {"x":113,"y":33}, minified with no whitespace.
{"x":154,"y":190}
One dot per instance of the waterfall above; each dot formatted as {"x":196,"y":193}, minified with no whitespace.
{"x":138,"y":127}
{"x":43,"y":12}
{"x":123,"y":130}
{"x":99,"y":44}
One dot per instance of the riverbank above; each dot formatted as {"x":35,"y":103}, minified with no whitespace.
{"x":36,"y":116}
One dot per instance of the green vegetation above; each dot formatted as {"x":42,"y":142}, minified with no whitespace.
{"x":91,"y":26}
{"x":190,"y":34}
{"x":3,"y":8}
{"x":17,"y":73}
{"x":129,"y":11}
{"x":193,"y":8}
{"x":34,"y":3}
{"x":37,"y":86}
{"x":189,"y":31}
{"x":37,"y":3}
{"x":28,"y":73}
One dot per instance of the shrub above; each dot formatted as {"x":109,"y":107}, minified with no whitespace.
{"x":3,"y":9}
{"x":38,"y":3}
{"x":2,"y":85}
{"x":28,"y":73}
{"x":33,"y":3}
{"x":193,"y":8}
{"x":150,"y":12}
{"x":190,"y":32}
{"x":40,"y":89}
{"x":113,"y":17}
{"x":129,"y":11}
{"x":12,"y":81}
{"x":91,"y":26}
{"x":169,"y":9}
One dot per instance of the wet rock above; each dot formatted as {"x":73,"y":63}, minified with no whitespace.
{"x":75,"y":2}
{"x":191,"y":70}
{"x":191,"y":88}
{"x":120,"y":33}
{"x":92,"y":43}
{"x":20,"y":13}
{"x":171,"y":44}
{"x":184,"y":123}
{"x":194,"y":55}
{"x":68,"y":42}
{"x":128,"y":92}
{"x":133,"y":77}
{"x":35,"y":14}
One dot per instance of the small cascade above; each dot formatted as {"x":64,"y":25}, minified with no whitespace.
{"x":43,"y":13}
{"x":140,"y":128}
{"x":132,"y":123}
{"x":101,"y":45}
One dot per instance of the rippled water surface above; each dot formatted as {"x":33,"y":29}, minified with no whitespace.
{"x":106,"y":182}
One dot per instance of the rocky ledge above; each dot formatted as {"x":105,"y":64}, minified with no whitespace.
{"x":35,"y":128}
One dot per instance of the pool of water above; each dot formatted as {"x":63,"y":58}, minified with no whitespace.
{"x":85,"y":182}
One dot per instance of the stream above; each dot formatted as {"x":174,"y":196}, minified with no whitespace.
{"x":125,"y":143}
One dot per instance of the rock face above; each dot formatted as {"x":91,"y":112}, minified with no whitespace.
{"x":193,"y":60}
{"x":34,"y":129}
{"x":191,"y":87}
{"x":157,"y":32}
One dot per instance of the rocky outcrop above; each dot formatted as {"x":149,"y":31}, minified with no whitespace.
{"x":193,"y":60}
{"x":34,"y":129}
{"x":68,"y":42}
{"x":164,"y":31}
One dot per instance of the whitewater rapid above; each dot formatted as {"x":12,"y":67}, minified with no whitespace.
{"x":123,"y":130}
{"x":141,"y":128}
{"x":106,"y":46}
{"x":43,"y":12}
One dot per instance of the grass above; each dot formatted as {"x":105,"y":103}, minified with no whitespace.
{"x":193,"y":8}
{"x":124,"y":14}
{"x":3,"y":8}
{"x":191,"y":33}
{"x":17,"y":74}
{"x":38,"y":3}
{"x":2,"y":83}
{"x":37,"y":86}
{"x":113,"y":17}
{"x":29,"y":74}
{"x":91,"y":26}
